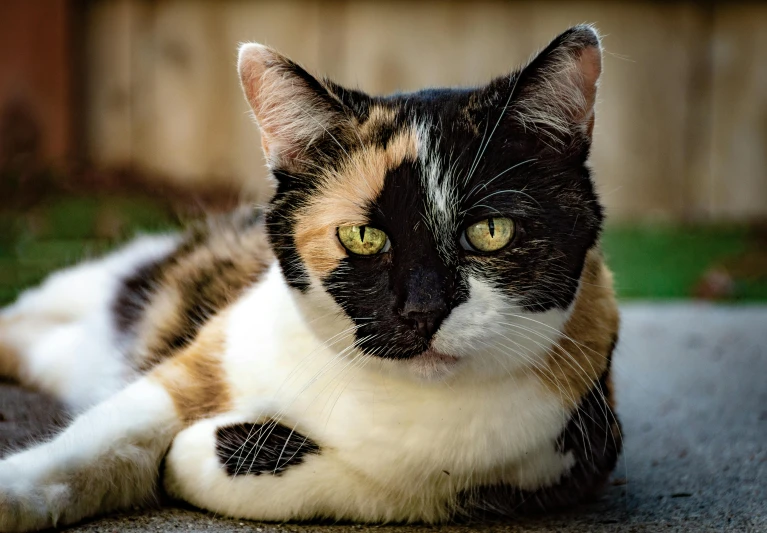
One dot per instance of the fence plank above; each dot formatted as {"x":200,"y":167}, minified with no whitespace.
{"x":109,"y":142}
{"x":738,"y":187}
{"x":183,"y":132}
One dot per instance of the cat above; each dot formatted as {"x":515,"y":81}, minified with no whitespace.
{"x":417,"y":328}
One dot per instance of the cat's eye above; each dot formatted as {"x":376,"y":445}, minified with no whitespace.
{"x":363,"y":240}
{"x":489,"y":235}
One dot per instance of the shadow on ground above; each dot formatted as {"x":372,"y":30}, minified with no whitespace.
{"x":691,"y":384}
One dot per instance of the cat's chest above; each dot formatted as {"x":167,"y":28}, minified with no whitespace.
{"x":372,"y":419}
{"x":460,"y":429}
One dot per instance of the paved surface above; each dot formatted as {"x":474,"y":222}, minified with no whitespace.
{"x":692,"y":391}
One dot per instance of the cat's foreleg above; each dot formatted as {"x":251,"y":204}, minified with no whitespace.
{"x":106,"y":460}
{"x":109,"y":458}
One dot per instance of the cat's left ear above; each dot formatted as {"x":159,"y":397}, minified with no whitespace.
{"x":556,"y":92}
{"x":301,"y":120}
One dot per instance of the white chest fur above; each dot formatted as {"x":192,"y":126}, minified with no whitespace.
{"x":389,"y":430}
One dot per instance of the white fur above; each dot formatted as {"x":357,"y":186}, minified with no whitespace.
{"x":497,"y":335}
{"x":108,"y":457}
{"x":441,"y":201}
{"x":436,"y":181}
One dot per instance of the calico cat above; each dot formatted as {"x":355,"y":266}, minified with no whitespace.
{"x":418,"y":327}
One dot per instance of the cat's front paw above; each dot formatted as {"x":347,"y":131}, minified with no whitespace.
{"x":27,"y":506}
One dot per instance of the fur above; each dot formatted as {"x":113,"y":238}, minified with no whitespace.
{"x":261,"y":370}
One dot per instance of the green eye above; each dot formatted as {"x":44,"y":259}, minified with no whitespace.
{"x":490,"y":234}
{"x":363,"y":240}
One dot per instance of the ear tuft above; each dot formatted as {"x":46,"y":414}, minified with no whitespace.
{"x":557,"y":91}
{"x":252,"y":61}
{"x":293,"y":109}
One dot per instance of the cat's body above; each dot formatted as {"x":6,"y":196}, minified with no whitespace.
{"x":278,"y":369}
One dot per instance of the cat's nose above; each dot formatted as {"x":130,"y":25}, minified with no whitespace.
{"x":425,"y":304}
{"x":425,"y":322}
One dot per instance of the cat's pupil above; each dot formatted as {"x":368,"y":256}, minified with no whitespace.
{"x":362,"y":233}
{"x":491,"y":227}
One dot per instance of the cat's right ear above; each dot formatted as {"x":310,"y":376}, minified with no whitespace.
{"x":300,"y":119}
{"x":555,"y":94}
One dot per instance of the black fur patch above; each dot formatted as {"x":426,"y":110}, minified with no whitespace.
{"x":593,"y":436}
{"x":134,"y":295}
{"x":205,"y":295}
{"x":139,"y":288}
{"x":268,"y":448}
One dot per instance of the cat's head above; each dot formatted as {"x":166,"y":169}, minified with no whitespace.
{"x":439,"y":229}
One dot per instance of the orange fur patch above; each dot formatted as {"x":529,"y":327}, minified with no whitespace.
{"x":195,"y":378}
{"x":581,"y":356}
{"x":344,"y":199}
{"x":378,"y":117}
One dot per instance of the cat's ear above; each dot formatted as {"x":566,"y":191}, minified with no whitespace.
{"x":556,"y":92}
{"x":295,"y":111}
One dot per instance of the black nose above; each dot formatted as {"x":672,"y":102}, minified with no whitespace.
{"x":426,"y":298}
{"x":425,"y":322}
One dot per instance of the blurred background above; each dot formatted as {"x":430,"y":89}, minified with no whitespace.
{"x":126,"y":115}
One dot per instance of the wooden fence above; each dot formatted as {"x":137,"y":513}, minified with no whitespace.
{"x":682,"y":118}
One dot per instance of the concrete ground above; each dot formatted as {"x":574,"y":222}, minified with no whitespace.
{"x":691,"y":385}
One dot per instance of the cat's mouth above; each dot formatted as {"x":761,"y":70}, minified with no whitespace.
{"x":431,"y":364}
{"x":433,"y":356}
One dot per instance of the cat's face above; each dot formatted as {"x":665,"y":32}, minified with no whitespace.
{"x":442,"y":228}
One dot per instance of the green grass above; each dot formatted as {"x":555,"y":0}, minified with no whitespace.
{"x":65,"y":232}
{"x":661,"y":261}
{"x":650,"y":262}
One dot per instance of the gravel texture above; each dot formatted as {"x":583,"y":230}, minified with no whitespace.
{"x":691,"y":385}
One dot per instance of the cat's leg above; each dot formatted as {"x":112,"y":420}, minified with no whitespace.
{"x":274,"y":470}
{"x":106,"y":460}
{"x":59,"y":337}
{"x":264,"y":470}
{"x":109,"y":457}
